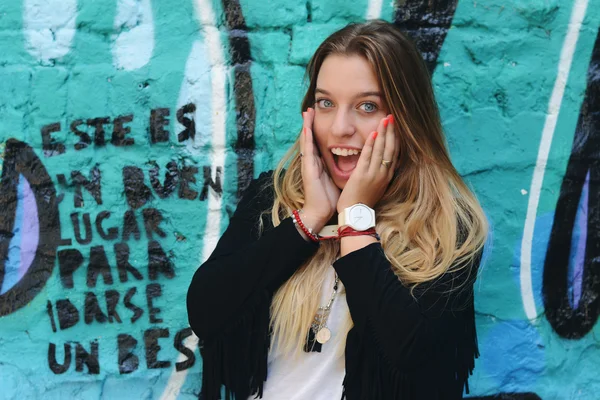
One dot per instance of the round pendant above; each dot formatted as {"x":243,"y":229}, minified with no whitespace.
{"x":323,"y":335}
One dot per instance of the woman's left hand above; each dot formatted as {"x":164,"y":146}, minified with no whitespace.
{"x":375,"y":167}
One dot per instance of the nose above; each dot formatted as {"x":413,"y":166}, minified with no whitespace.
{"x":343,"y":124}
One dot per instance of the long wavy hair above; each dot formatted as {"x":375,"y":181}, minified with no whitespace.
{"x":429,"y":221}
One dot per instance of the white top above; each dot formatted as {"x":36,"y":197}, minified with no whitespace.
{"x":314,"y":375}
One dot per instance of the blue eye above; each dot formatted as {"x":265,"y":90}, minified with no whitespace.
{"x":324,"y":103}
{"x":369,"y":107}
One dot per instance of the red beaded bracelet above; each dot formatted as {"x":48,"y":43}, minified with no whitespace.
{"x":307,"y":232}
{"x":342,"y":231}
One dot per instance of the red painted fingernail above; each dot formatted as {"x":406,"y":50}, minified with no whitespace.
{"x":391,"y":118}
{"x":374,"y":135}
{"x":385,"y":122}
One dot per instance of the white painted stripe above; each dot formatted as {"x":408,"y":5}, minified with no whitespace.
{"x":374,"y":9}
{"x":218,"y":71}
{"x":177,"y":379}
{"x":564,"y":67}
{"x":49,"y":27}
{"x":133,"y":43}
{"x":207,"y":19}
{"x":196,"y":88}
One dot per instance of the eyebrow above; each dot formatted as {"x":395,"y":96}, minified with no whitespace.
{"x":361,"y":94}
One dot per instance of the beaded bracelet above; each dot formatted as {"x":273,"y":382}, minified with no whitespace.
{"x":341,"y":232}
{"x":307,"y":231}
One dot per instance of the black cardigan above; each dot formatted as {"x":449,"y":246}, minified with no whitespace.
{"x":399,"y":347}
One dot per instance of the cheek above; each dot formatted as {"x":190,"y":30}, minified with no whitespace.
{"x":367,"y":126}
{"x":320,"y":131}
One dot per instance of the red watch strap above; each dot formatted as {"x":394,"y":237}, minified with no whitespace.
{"x":349,"y":231}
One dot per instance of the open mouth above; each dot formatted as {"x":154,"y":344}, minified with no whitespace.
{"x":345,"y":159}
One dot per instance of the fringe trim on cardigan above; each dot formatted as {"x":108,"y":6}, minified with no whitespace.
{"x":238,"y":358}
{"x":468,"y":347}
{"x":376,"y":378}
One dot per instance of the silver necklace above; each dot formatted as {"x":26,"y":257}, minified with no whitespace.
{"x":319,"y":324}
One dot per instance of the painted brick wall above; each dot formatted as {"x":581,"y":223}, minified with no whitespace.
{"x":129,"y":127}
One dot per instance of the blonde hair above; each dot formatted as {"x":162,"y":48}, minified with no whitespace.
{"x":429,"y":222}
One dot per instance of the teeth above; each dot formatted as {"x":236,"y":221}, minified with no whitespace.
{"x":338,"y":151}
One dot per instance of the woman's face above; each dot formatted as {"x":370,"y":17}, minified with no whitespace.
{"x":349,"y":105}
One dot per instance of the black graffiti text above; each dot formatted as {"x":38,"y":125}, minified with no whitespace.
{"x":86,"y":226}
{"x":88,"y":359}
{"x":98,"y":266}
{"x":180,"y":178}
{"x":100,"y":131}
{"x":101,"y":308}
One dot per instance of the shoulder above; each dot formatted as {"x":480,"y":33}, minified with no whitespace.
{"x":260,"y":187}
{"x":257,"y":198}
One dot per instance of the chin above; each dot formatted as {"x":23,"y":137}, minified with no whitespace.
{"x":340,"y":184}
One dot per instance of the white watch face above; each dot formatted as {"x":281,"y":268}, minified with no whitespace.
{"x":360,"y":217}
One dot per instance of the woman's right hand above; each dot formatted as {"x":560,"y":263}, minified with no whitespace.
{"x":320,"y":193}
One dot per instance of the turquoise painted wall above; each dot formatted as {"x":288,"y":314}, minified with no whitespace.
{"x":127,"y":128}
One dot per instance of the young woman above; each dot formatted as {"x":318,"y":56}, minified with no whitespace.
{"x":348,"y":271}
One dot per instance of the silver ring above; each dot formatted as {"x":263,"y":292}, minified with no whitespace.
{"x":301,"y":154}
{"x":386,"y":163}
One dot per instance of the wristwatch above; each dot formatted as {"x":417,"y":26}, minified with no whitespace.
{"x":359,"y":217}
